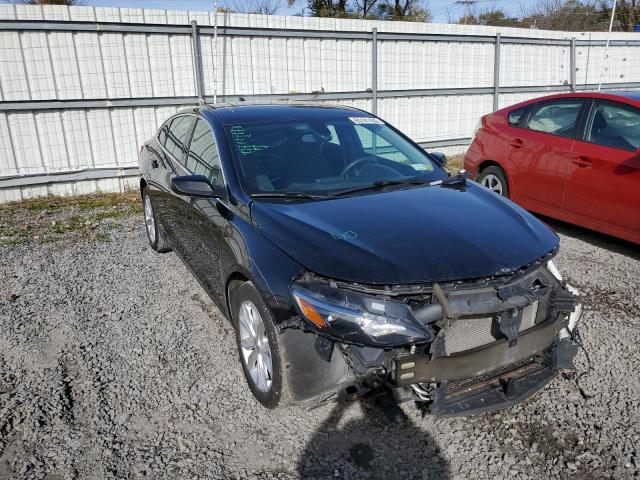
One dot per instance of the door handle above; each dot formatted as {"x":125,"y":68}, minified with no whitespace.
{"x":582,"y":162}
{"x":154,"y":163}
{"x":516,"y":142}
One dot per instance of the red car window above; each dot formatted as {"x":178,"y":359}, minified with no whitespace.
{"x":515,"y":116}
{"x":558,"y":117}
{"x":615,"y":125}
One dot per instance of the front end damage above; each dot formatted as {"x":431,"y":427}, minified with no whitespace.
{"x":460,"y":347}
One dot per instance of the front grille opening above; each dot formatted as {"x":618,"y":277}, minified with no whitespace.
{"x":473,"y":332}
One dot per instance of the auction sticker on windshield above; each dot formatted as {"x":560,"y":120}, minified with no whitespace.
{"x":423,"y":166}
{"x":366,"y":121}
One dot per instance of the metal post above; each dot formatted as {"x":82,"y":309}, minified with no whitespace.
{"x":215,"y":53}
{"x":374,"y":71}
{"x":572,"y":75}
{"x":197,"y":61}
{"x":606,"y":49}
{"x":496,"y":74}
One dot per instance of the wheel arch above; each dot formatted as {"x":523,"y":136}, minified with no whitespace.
{"x":486,"y":164}
{"x":234,"y":280}
{"x":143,"y":184}
{"x":490,"y":163}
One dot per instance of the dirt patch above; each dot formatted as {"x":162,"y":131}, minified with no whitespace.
{"x":53,"y":219}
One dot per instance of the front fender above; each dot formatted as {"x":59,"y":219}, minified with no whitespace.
{"x":265,"y":265}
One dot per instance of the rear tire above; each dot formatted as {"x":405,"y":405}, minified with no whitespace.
{"x":495,"y":180}
{"x":258,"y":347}
{"x":155,"y":233}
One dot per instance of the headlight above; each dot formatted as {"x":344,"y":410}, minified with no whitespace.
{"x":355,"y":318}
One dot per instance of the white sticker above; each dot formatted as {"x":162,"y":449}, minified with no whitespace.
{"x":366,"y":121}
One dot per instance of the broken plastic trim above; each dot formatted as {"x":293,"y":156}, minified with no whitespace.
{"x":574,"y":316}
{"x":494,"y":391}
{"x":293,"y":322}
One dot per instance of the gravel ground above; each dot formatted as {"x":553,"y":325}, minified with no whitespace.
{"x":114,"y":363}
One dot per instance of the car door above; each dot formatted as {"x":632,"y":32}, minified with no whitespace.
{"x":603,"y":183}
{"x":172,"y":207}
{"x":539,"y":151}
{"x":158,"y":162}
{"x":207,"y":217}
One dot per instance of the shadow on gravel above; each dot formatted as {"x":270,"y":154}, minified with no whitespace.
{"x":381,"y":444}
{"x":594,"y":238}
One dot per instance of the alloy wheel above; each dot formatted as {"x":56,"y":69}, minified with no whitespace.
{"x":149,"y":219}
{"x":254,"y":344}
{"x":493,"y":183}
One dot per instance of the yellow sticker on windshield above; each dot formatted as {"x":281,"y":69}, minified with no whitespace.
{"x":422,"y":166}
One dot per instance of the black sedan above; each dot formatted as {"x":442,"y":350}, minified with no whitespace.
{"x":350,"y":262}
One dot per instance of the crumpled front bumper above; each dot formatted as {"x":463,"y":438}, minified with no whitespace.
{"x":411,"y":369}
{"x":454,"y":377}
{"x":493,"y":377}
{"x":504,"y":387}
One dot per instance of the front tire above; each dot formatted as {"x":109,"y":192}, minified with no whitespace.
{"x":258,"y":346}
{"x":155,"y":234}
{"x":495,"y":180}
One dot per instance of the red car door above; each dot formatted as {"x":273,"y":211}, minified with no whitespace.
{"x":539,"y":152}
{"x":603,"y":184}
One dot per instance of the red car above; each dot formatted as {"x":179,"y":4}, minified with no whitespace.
{"x":574,"y":157}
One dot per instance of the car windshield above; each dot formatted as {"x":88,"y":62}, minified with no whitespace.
{"x":326,"y":156}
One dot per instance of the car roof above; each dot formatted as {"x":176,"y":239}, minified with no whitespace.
{"x":631,"y":95}
{"x":619,"y":95}
{"x":246,"y":112}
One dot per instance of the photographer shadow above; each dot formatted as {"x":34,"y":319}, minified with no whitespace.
{"x":382,"y":443}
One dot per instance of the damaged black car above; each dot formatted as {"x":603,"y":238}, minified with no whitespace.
{"x":349,"y":260}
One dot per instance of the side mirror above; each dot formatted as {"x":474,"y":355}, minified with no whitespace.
{"x":195,"y":186}
{"x":439,"y":157}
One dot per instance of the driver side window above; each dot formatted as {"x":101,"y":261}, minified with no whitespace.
{"x":614,"y":125}
{"x":203,"y":156}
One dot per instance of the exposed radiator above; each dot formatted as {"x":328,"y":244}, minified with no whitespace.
{"x":471,"y":332}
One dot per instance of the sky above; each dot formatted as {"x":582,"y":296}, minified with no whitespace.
{"x":442,"y":10}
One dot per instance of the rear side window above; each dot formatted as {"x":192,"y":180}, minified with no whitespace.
{"x":177,"y":136}
{"x":614,"y":125}
{"x":558,"y":117}
{"x":515,"y":116}
{"x":162,"y":134}
{"x":203,"y":156}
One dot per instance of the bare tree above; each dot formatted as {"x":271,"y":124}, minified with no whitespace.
{"x":567,"y":15}
{"x":409,"y":10}
{"x":328,"y":8}
{"x":365,"y":8}
{"x":627,"y":14}
{"x":495,"y":17}
{"x":265,"y":7}
{"x":404,"y":10}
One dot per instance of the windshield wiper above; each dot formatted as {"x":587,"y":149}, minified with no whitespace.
{"x":382,"y":184}
{"x":288,"y":195}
